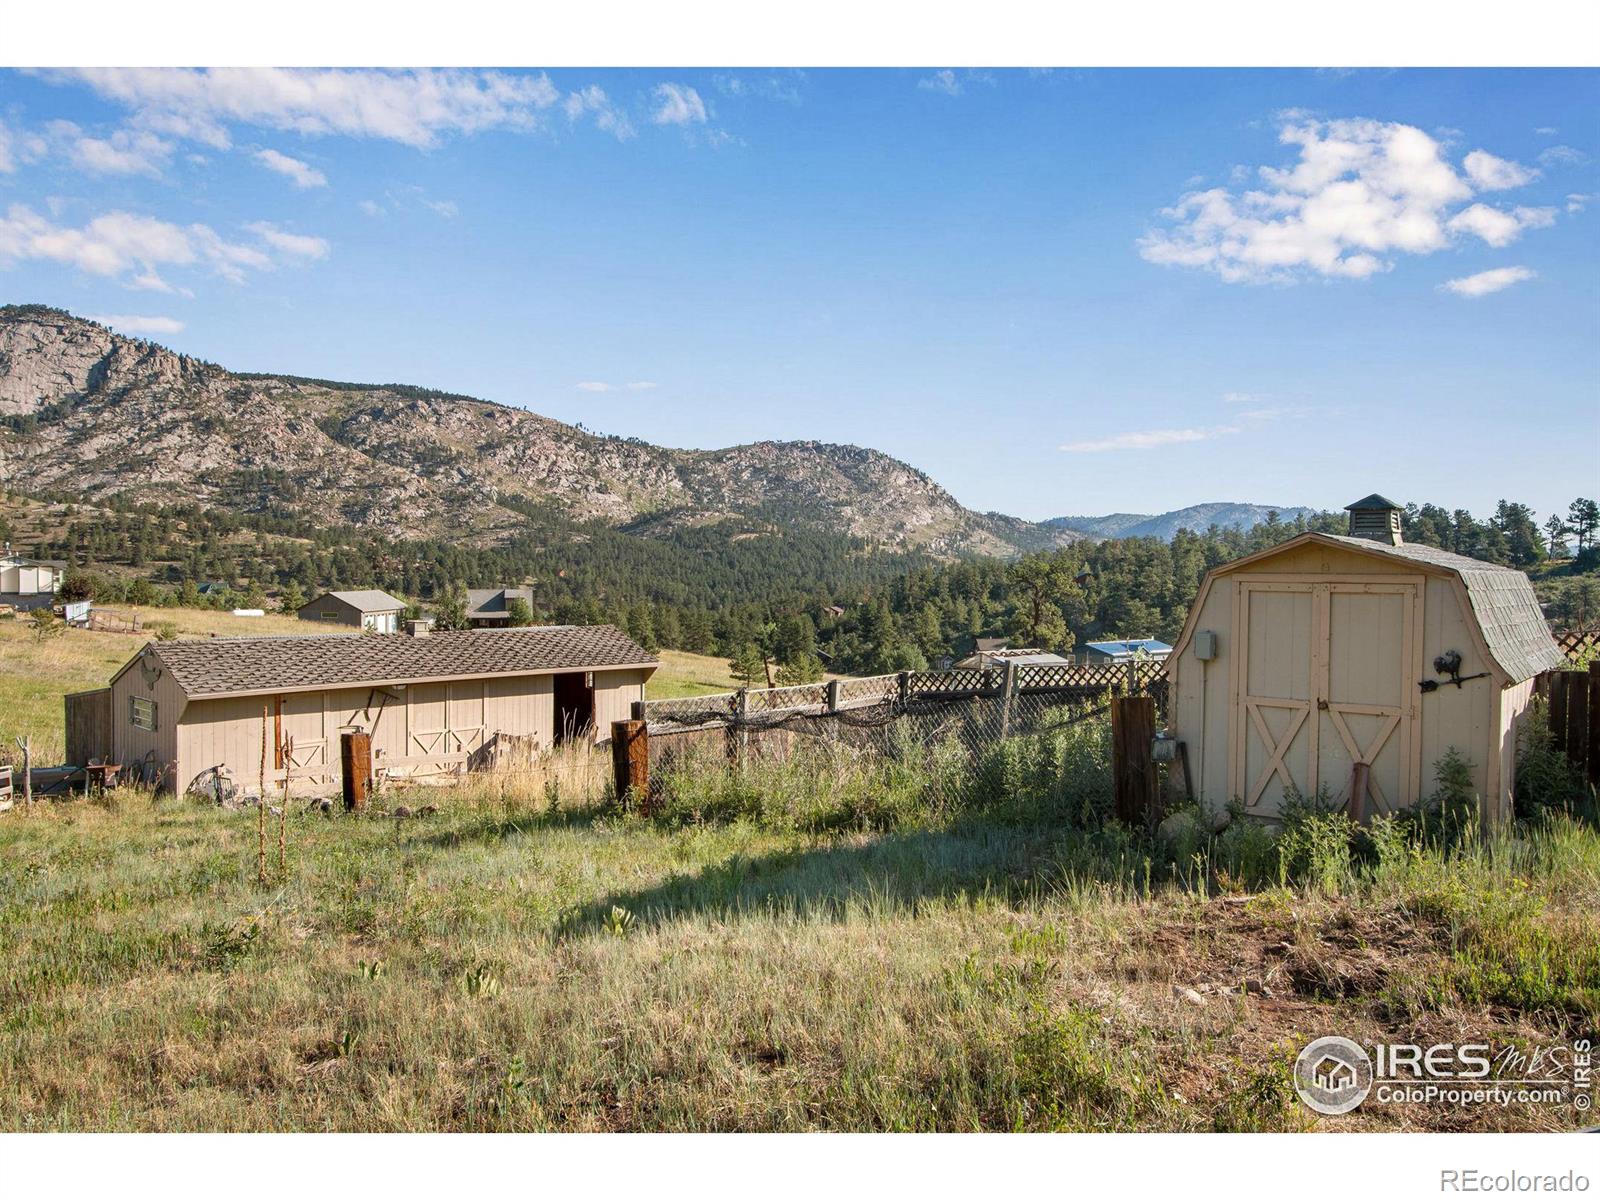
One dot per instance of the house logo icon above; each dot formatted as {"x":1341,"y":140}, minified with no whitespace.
{"x":1333,"y":1075}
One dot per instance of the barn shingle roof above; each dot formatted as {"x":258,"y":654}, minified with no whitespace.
{"x":1502,"y":601}
{"x":367,"y":601}
{"x":255,"y":665}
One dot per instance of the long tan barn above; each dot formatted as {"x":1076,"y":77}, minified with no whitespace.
{"x":1302,"y":661}
{"x":191,"y":711}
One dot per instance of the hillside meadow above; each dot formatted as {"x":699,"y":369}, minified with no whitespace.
{"x":818,"y":944}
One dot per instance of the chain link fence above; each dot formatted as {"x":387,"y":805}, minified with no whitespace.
{"x":946,"y":723}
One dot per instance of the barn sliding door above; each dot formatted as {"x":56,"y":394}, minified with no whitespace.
{"x":1326,"y":677}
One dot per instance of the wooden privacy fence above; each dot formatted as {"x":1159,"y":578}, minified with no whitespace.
{"x":1574,"y":699}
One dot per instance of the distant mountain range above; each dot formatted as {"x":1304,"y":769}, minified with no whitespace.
{"x":1197,"y":518}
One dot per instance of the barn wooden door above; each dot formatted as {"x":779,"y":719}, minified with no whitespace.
{"x":1326,"y":678}
{"x":1274,"y":734}
{"x":1368,"y":693}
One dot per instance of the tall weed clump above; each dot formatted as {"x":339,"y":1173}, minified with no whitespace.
{"x":1547,"y":781}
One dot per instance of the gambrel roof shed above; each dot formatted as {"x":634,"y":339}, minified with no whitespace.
{"x":1351,"y":665}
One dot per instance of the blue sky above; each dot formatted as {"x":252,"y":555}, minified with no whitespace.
{"x":1063,"y":292}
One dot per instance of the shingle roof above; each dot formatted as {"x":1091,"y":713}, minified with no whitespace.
{"x":233,"y":666}
{"x":1502,"y":600}
{"x":492,"y":602}
{"x":366,"y":601}
{"x":1373,"y":501}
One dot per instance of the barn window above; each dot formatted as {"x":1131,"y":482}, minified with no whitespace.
{"x":142,"y":712}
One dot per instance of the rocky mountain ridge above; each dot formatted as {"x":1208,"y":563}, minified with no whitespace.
{"x":88,"y":411}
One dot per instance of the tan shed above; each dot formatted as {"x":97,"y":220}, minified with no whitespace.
{"x":1305,"y":660}
{"x":194,"y":711}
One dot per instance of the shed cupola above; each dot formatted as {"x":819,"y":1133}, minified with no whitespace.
{"x":1375,"y":518}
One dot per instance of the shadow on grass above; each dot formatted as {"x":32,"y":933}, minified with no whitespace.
{"x":971,"y":861}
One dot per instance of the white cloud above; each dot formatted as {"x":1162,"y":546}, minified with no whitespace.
{"x":642,"y":385}
{"x":417,"y":107}
{"x":1360,"y":192}
{"x":301,"y":174}
{"x":1240,"y":398}
{"x":1498,"y":227}
{"x":126,"y":152}
{"x":944,"y":82}
{"x":1492,"y":174}
{"x":678,"y":105}
{"x":1547,"y":131}
{"x":593,"y":385}
{"x":371,"y":207}
{"x":1148,"y":439}
{"x":295,"y":245}
{"x":444,"y":208}
{"x":592,"y":101}
{"x":1578,"y":201}
{"x":1486,"y":282}
{"x":142,"y":325}
{"x":137,"y":247}
{"x":1562,"y":156}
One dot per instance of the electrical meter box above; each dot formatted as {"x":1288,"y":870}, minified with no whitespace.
{"x":1205,"y":644}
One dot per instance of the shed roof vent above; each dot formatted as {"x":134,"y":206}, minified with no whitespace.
{"x":1375,"y":518}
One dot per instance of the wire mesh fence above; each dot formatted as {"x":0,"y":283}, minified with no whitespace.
{"x":946,"y":722}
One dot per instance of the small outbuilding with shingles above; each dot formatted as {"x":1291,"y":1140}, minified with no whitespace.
{"x":1350,"y":665}
{"x":376,"y":611}
{"x":490,"y":608}
{"x":197,"y":710}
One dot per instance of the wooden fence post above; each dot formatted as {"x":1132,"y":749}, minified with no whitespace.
{"x":1008,"y":689}
{"x":904,"y":680}
{"x":1578,"y":687}
{"x":630,"y":762}
{"x":1558,"y":709}
{"x":833,"y":695}
{"x":1594,"y":721}
{"x":355,"y":767}
{"x":27,"y":772}
{"x":1133,"y":771}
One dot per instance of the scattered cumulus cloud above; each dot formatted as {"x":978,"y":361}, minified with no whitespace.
{"x":301,"y":174}
{"x":1491,"y":174}
{"x":125,"y":152}
{"x":1255,"y":417}
{"x":642,"y":385}
{"x":371,"y":208}
{"x":1547,"y":131}
{"x":415,"y":107}
{"x":944,"y":82}
{"x":1359,"y":192}
{"x":678,"y":105}
{"x":1485,"y":283}
{"x":1499,"y":227}
{"x":592,"y":103}
{"x":294,"y":245}
{"x":1578,"y":201}
{"x":139,"y":326}
{"x":1562,"y":156}
{"x":594,"y":385}
{"x":137,"y":248}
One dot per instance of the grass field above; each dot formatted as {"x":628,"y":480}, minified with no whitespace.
{"x":499,"y":964}
{"x":35,"y":674}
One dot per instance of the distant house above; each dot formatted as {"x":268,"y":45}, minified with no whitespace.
{"x":212,"y":588}
{"x":373,"y":610}
{"x":996,"y":659}
{"x":488,"y":608}
{"x":1126,"y":650}
{"x":29,"y":583}
{"x":203,"y":711}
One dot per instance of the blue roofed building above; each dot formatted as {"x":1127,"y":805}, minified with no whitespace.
{"x":1125,"y":650}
